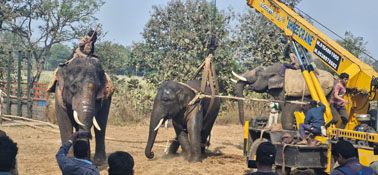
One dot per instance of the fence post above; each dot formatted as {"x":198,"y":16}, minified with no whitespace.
{"x":19,"y":112}
{"x":9,"y":83}
{"x":29,"y":87}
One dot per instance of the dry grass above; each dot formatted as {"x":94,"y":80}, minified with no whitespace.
{"x":229,"y":113}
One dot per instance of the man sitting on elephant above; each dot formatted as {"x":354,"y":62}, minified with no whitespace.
{"x":86,"y":45}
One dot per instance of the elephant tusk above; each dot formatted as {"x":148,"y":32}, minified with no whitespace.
{"x":239,"y":77}
{"x":95,"y":124}
{"x":233,"y":80}
{"x":76,"y":118}
{"x":158,"y":126}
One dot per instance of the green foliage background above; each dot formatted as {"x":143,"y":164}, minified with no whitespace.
{"x":174,"y":45}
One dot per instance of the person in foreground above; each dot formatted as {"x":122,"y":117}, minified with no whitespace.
{"x":346,"y":155}
{"x":265,"y":157}
{"x":120,"y":163}
{"x":80,"y":165}
{"x":8,"y":152}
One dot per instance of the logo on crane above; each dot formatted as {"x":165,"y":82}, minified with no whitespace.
{"x":300,"y":31}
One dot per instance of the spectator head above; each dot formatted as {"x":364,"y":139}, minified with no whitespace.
{"x":266,"y":154}
{"x":8,"y":152}
{"x":81,"y":149}
{"x":120,"y":163}
{"x":343,"y":149}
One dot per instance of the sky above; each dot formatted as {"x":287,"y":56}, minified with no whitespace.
{"x":124,"y":20}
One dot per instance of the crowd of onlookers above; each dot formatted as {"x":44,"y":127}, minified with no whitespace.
{"x":120,"y":162}
{"x":343,"y":153}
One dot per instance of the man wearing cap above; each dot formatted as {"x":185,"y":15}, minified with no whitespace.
{"x":346,"y":155}
{"x":313,"y":122}
{"x":265,"y":158}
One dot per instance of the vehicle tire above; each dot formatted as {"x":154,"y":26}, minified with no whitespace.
{"x":253,"y":148}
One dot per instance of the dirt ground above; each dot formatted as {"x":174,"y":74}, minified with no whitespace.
{"x":37,"y":151}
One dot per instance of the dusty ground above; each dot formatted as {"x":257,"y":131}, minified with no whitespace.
{"x":37,"y":151}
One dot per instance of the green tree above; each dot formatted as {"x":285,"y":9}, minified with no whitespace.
{"x":175,"y":41}
{"x":257,"y":41}
{"x":58,"y":54}
{"x":357,"y":46}
{"x":113,"y":56}
{"x":43,"y":23}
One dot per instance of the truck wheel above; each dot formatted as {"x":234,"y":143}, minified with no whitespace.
{"x":253,"y":148}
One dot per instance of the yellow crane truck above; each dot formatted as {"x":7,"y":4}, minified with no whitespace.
{"x":362,"y":89}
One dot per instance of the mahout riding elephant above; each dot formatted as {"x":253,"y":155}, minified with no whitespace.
{"x":192,"y":126}
{"x":271,"y":79}
{"x":83,"y":97}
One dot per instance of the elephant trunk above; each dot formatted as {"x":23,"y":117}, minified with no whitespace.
{"x":154,"y":127}
{"x":239,"y":93}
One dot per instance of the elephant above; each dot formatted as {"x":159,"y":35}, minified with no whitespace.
{"x":270,"y":79}
{"x":83,"y":95}
{"x":192,"y":127}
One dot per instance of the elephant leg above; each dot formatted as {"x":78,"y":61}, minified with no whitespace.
{"x":174,"y":146}
{"x":102,"y":118}
{"x":184,"y":142}
{"x":206,"y":130}
{"x":287,"y":115}
{"x":194,"y":130}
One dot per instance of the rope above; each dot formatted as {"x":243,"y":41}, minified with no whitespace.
{"x":9,"y":118}
{"x":30,"y":125}
{"x":283,"y":158}
{"x":28,"y":119}
{"x":240,"y":98}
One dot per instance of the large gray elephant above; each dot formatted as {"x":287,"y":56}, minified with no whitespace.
{"x":82,"y":98}
{"x":271,"y":79}
{"x":192,"y":128}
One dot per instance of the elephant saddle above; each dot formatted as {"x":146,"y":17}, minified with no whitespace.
{"x":295,"y":85}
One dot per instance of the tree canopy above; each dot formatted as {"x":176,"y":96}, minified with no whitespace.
{"x":42,"y":23}
{"x":175,"y":39}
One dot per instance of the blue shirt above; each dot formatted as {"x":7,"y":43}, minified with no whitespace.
{"x":5,"y":173}
{"x":315,"y":116}
{"x":74,"y":166}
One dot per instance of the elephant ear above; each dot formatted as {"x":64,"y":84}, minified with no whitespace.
{"x":276,"y":81}
{"x":59,"y":84}
{"x":107,"y":89}
{"x":183,"y":98}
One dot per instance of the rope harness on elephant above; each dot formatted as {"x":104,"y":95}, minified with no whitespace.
{"x":200,"y":96}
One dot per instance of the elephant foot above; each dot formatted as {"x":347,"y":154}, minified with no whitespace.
{"x":195,"y":159}
{"x":173,"y":147}
{"x":99,"y":159}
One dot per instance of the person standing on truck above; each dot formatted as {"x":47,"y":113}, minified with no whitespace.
{"x":337,"y":102}
{"x":265,"y":158}
{"x":346,"y":155}
{"x":313,"y":122}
